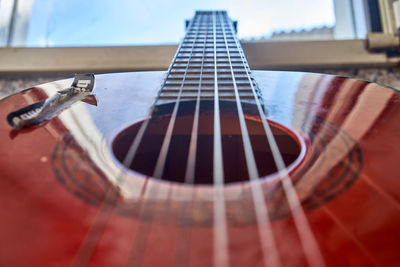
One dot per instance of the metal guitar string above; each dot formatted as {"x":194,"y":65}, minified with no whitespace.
{"x":221,"y":255}
{"x":191,"y":162}
{"x":270,"y":254}
{"x":307,"y":239}
{"x":142,"y":236}
{"x":90,"y":241}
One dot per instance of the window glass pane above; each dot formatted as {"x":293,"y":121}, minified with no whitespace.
{"x":127,"y":22}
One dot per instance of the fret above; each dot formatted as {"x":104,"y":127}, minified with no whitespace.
{"x":208,"y":71}
{"x":198,"y":41}
{"x":220,"y":44}
{"x":208,"y":50}
{"x":194,"y":61}
{"x":208,"y":36}
{"x":224,"y":69}
{"x":219,"y":47}
{"x":205,"y":89}
{"x":207,"y":77}
{"x":208,"y":57}
{"x":220,"y":62}
{"x":207,"y":63}
{"x":209,"y":95}
{"x":207,"y":82}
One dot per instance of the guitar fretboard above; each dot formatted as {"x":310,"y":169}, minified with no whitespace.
{"x":209,"y":54}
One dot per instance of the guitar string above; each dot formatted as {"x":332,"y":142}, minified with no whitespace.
{"x":220,"y":240}
{"x":159,"y":169}
{"x":269,"y":250}
{"x":141,"y":237}
{"x":221,"y":255}
{"x":307,"y":239}
{"x":191,"y":162}
{"x":183,"y":241}
{"x":96,"y":229}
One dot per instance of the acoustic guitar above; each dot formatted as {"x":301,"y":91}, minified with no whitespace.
{"x":207,"y":164}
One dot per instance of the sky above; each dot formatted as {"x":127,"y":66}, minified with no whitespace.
{"x":131,"y":22}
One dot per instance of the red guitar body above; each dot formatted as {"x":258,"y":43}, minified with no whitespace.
{"x":62,"y":202}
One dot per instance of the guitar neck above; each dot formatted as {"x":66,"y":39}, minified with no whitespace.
{"x":210,"y":59}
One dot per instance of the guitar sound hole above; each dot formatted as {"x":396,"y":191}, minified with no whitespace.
{"x":234,"y":162}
